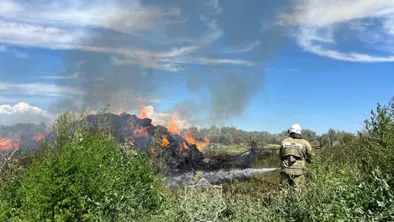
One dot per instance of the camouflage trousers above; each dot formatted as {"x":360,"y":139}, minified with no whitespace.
{"x":290,"y":182}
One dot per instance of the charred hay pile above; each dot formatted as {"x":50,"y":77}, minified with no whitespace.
{"x":171,"y":152}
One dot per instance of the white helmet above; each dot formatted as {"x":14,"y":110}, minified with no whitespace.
{"x":295,"y":128}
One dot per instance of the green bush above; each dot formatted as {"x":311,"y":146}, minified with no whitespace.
{"x":85,"y":177}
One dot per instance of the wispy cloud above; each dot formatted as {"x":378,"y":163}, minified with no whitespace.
{"x":43,"y":89}
{"x":317,"y":33}
{"x":128,"y":18}
{"x":244,"y":49}
{"x":51,"y":37}
{"x":309,"y":13}
{"x":72,"y":76}
{"x":68,"y":26}
{"x":153,"y":64}
{"x":214,"y":6}
{"x":213,"y":32}
{"x":209,"y":61}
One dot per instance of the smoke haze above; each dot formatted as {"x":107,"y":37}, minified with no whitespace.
{"x":121,"y":66}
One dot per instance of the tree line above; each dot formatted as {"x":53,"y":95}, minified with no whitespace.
{"x":232,"y":135}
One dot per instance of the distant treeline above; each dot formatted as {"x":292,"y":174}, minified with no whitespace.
{"x":231,"y":135}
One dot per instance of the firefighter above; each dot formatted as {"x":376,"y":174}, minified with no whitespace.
{"x":295,"y":153}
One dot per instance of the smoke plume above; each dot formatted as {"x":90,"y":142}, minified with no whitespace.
{"x":122,"y":67}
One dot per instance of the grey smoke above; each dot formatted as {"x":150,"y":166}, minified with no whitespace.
{"x":104,"y":82}
{"x":231,"y":94}
{"x":222,"y":93}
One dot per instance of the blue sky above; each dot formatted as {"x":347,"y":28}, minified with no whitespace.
{"x":255,"y":65}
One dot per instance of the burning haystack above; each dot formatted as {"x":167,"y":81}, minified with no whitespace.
{"x":172,"y":152}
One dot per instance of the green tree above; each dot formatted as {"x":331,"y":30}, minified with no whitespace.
{"x":377,"y":141}
{"x":310,"y":135}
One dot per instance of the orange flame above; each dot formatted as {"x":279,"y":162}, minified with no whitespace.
{"x":173,"y":124}
{"x":8,"y":144}
{"x":199,"y":144}
{"x":164,"y":141}
{"x":38,"y":137}
{"x":143,"y":112}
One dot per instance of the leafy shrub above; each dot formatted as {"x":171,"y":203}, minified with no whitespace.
{"x":83,"y":177}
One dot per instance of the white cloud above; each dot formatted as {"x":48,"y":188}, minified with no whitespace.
{"x":43,"y":89}
{"x":317,"y":21}
{"x":245,"y":49}
{"x":60,"y":25}
{"x":334,"y":54}
{"x":330,"y":12}
{"x":72,"y":76}
{"x":213,"y":32}
{"x":55,"y":38}
{"x":209,"y":61}
{"x":147,"y":64}
{"x":127,"y":18}
{"x":138,"y":53}
{"x":23,"y":112}
{"x":38,"y":35}
{"x":21,"y":107}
